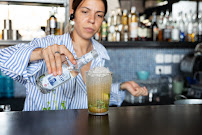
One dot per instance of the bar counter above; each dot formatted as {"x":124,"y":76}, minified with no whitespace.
{"x":145,"y":120}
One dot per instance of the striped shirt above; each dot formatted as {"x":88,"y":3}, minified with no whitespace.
{"x":14,"y":62}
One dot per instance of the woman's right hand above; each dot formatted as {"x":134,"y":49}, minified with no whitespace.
{"x":54,"y":55}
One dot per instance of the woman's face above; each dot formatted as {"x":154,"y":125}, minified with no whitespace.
{"x":88,"y":18}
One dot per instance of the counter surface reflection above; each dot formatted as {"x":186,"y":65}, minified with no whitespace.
{"x":145,"y":120}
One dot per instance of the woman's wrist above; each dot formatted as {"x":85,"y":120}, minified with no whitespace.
{"x":36,"y":54}
{"x":120,"y":86}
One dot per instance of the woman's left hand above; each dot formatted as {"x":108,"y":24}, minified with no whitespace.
{"x":134,"y":88}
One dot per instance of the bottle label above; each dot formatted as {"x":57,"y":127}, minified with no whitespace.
{"x":49,"y":81}
{"x":133,"y":31}
{"x":118,"y":36}
{"x":140,"y":32}
{"x":144,"y":32}
{"x":149,"y":34}
{"x":175,"y":35}
{"x":52,"y":23}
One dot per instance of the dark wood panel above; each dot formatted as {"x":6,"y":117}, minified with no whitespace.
{"x":145,"y":120}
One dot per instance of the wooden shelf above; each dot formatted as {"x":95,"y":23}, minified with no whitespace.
{"x":129,"y":44}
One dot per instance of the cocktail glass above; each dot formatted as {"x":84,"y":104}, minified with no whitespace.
{"x":98,"y":92}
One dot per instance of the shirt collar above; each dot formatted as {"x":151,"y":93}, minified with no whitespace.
{"x":102,"y":52}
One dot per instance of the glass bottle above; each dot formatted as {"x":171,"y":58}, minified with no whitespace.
{"x":104,"y":30}
{"x":175,"y":31}
{"x":47,"y":82}
{"x":161,"y":26}
{"x":181,"y":27}
{"x":200,"y":27}
{"x":190,"y":27}
{"x":154,"y":27}
{"x":53,"y":23}
{"x":168,"y":26}
{"x":124,"y":32}
{"x":133,"y":25}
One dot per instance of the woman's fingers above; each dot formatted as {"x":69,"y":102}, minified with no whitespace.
{"x":135,"y":89}
{"x":54,"y":56}
{"x":58,"y":59}
{"x":47,"y":60}
{"x":67,"y":53}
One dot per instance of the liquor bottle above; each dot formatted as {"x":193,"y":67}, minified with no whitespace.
{"x":118,"y":25}
{"x":185,"y":19}
{"x":154,"y":27}
{"x":168,"y":26}
{"x":142,"y":30}
{"x":133,"y":25}
{"x":109,"y":34}
{"x":175,"y":31}
{"x":53,"y":23}
{"x":124,"y":32}
{"x":161,"y":26}
{"x":195,"y":28}
{"x":200,"y":27}
{"x":190,"y":36}
{"x":104,"y":30}
{"x":181,"y":27}
{"x":47,"y":82}
{"x":112,"y":27}
{"x":119,"y":19}
{"x":149,"y":32}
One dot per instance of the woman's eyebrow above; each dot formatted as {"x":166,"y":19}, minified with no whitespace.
{"x":90,"y":9}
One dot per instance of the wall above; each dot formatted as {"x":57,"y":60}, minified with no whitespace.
{"x":125,"y":62}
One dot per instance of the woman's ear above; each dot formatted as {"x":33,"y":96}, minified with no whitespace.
{"x":71,"y":17}
{"x":71,"y":11}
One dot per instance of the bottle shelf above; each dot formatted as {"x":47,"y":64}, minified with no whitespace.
{"x":36,"y":2}
{"x":137,"y":44}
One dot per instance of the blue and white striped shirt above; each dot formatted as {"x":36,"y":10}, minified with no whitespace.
{"x":14,"y":62}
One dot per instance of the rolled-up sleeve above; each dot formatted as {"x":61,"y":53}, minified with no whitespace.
{"x":14,"y":60}
{"x":117,"y":96}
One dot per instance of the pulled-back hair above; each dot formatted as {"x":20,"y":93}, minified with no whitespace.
{"x":76,"y":3}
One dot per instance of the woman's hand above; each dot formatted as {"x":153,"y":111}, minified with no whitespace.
{"x":53,"y":55}
{"x":134,"y":88}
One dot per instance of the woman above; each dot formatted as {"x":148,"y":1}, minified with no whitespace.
{"x":26,"y":62}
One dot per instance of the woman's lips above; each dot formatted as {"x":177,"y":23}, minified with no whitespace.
{"x":90,"y":30}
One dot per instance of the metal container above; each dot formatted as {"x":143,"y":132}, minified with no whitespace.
{"x":7,"y":34}
{"x":8,"y":24}
{"x":186,"y":101}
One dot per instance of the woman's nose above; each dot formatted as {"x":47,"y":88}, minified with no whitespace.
{"x":91,"y":18}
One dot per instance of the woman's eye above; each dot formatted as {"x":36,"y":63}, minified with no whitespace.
{"x":84,"y":12}
{"x":101,"y":16}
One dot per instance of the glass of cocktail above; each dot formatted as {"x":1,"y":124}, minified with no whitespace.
{"x":98,"y":91}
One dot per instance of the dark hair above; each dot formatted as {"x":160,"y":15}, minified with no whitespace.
{"x":76,"y":3}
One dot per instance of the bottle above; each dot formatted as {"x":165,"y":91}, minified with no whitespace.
{"x":104,"y":30}
{"x":181,"y":27}
{"x":154,"y":27}
{"x":200,"y":27}
{"x":47,"y":82}
{"x":124,"y":32}
{"x":53,"y":23}
{"x":161,"y":26}
{"x":190,"y":27}
{"x":133,"y":25}
{"x":175,"y":32}
{"x":112,"y":36}
{"x":168,"y":26}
